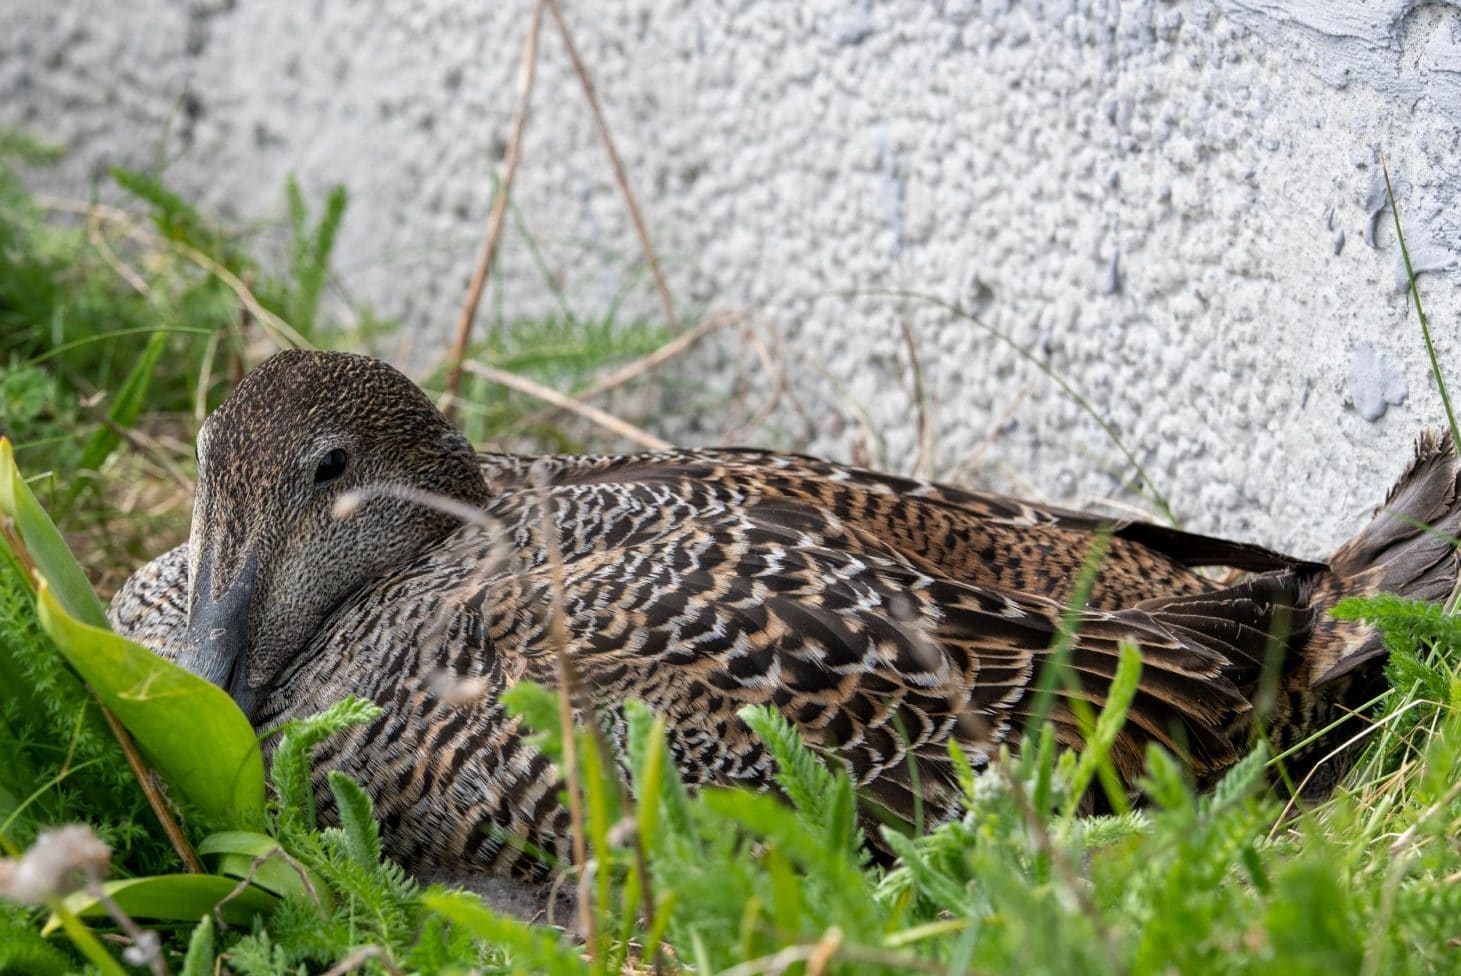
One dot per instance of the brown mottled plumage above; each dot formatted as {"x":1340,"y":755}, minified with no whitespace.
{"x":883,"y":616}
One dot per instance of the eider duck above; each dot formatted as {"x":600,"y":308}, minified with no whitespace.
{"x":883,"y":616}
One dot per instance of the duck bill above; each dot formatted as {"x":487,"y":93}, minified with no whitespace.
{"x":217,"y":642}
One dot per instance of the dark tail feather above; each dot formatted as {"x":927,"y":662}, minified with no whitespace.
{"x":1409,"y":548}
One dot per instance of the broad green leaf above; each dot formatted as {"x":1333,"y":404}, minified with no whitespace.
{"x":43,"y":542}
{"x":173,"y":897}
{"x":188,"y":729}
{"x":248,"y":842}
{"x":217,"y":765}
{"x":240,"y":851}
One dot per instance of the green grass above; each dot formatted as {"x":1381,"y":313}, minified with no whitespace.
{"x":560,"y":352}
{"x":122,"y":327}
{"x":1236,"y":880}
{"x":1218,"y":883}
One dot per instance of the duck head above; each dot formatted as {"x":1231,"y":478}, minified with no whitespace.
{"x":268,"y":558}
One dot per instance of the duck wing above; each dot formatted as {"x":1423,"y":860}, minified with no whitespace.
{"x":700,"y":599}
{"x":979,"y":538}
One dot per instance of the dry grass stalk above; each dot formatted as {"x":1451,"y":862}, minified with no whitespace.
{"x":602,"y":418}
{"x":773,"y":398}
{"x":140,"y":441}
{"x":104,"y":248}
{"x":970,"y":470}
{"x":526,"y":73}
{"x":662,"y":355}
{"x":567,"y":686}
{"x":366,"y":954}
{"x":280,"y":331}
{"x":155,"y":799}
{"x":923,"y":460}
{"x":572,"y":693}
{"x":620,"y":176}
{"x":247,"y":881}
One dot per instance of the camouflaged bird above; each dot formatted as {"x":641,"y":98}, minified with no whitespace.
{"x":881,"y":615}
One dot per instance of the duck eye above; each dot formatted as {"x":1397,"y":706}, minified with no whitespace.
{"x":331,"y":466}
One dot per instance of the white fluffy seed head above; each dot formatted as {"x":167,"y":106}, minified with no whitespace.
{"x":59,"y":862}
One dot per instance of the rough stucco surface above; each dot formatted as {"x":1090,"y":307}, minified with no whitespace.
{"x":1174,"y":206}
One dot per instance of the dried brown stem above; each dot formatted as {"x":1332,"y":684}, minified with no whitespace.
{"x":143,"y":444}
{"x":662,"y":355}
{"x":205,"y":375}
{"x":155,"y":799}
{"x":562,"y":401}
{"x":283,"y":334}
{"x":359,"y":957}
{"x":645,"y":364}
{"x":923,"y":460}
{"x":496,"y":219}
{"x":248,"y":879}
{"x":620,"y":176}
{"x":971,"y":463}
{"x":571,"y":694}
{"x":125,"y":922}
{"x":778,"y":388}
{"x":110,"y":258}
{"x":567,"y":686}
{"x":17,"y":546}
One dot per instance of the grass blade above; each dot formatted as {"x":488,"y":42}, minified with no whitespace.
{"x":1158,"y":499}
{"x":1425,"y":328}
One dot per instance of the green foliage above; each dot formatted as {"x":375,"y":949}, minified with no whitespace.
{"x":44,"y":547}
{"x":529,"y":948}
{"x":72,"y":323}
{"x":823,"y":800}
{"x":22,"y":948}
{"x":309,"y":256}
{"x":1209,"y":883}
{"x":1421,"y":638}
{"x":564,"y":353}
{"x":31,"y":410}
{"x":291,"y":765}
{"x":538,"y":709}
{"x":360,"y":837}
{"x":174,"y":897}
{"x":60,"y":758}
{"x":1102,"y":737}
{"x":201,"y":953}
{"x":121,"y":315}
{"x":122,"y":414}
{"x":217,"y":768}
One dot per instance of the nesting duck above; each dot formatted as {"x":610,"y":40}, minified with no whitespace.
{"x":883,"y":616}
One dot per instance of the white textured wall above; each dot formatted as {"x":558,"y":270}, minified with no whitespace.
{"x":1174,"y":205}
